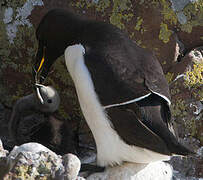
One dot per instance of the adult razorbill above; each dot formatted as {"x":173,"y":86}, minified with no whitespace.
{"x":121,"y":87}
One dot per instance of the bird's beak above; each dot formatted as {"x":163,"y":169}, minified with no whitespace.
{"x":37,"y":72}
{"x":38,"y":86}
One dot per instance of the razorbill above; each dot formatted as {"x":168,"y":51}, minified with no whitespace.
{"x":121,"y":87}
{"x":46,"y":100}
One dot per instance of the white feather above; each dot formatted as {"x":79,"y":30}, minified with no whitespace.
{"x":111,"y":149}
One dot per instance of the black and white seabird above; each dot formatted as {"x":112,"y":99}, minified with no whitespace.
{"x":121,"y":87}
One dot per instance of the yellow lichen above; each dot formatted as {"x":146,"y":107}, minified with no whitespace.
{"x":164,"y":33}
{"x":194,"y":77}
{"x":138,"y":25}
{"x":168,"y":13}
{"x":102,"y":5}
{"x":169,"y":76}
{"x":121,"y":12}
{"x":194,"y":13}
{"x":21,"y":172}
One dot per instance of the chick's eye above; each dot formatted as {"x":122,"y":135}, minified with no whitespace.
{"x":49,"y":101}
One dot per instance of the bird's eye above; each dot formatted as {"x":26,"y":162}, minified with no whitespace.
{"x":49,"y":101}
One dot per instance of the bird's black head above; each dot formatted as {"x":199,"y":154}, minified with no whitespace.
{"x":57,"y":30}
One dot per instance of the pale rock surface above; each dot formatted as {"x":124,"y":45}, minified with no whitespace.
{"x":3,"y":152}
{"x":33,"y":161}
{"x":130,"y":171}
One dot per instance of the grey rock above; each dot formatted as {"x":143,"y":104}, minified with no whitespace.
{"x":33,"y":148}
{"x":71,"y":168}
{"x":178,"y":5}
{"x":181,"y":18}
{"x":33,"y":160}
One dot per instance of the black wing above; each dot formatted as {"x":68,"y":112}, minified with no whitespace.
{"x":145,"y":125}
{"x":121,"y":70}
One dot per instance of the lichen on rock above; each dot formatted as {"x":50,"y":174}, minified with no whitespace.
{"x":194,"y":76}
{"x":164,"y":33}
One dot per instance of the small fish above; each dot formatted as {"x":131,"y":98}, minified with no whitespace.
{"x":38,"y":86}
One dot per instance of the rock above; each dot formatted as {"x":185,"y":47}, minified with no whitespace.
{"x":72,"y":166}
{"x":175,"y":23}
{"x":71,"y":169}
{"x":35,"y":161}
{"x":30,"y":147}
{"x":2,"y":151}
{"x":129,"y":171}
{"x":4,"y":167}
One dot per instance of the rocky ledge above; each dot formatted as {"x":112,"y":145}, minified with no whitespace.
{"x":35,"y":161}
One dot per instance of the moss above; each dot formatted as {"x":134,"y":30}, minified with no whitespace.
{"x":164,"y":33}
{"x":194,"y":13}
{"x":194,"y":77}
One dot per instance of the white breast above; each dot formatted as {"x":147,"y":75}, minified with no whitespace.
{"x":111,"y":149}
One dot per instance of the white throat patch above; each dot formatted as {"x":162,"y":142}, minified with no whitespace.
{"x":111,"y":149}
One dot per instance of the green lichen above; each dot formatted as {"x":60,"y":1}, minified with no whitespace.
{"x":178,"y":109}
{"x":102,"y":5}
{"x":169,"y":77}
{"x":168,"y":13}
{"x":200,"y":94}
{"x":164,"y":33}
{"x":116,"y":19}
{"x":194,"y":13}
{"x":194,"y":77}
{"x":138,"y":25}
{"x":21,"y":172}
{"x":44,"y":168}
{"x":83,"y":4}
{"x":191,"y":126}
{"x":121,"y":13}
